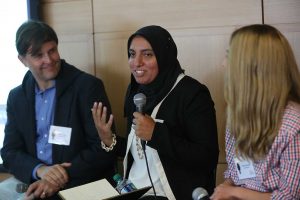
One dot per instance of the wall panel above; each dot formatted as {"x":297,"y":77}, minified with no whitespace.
{"x":78,"y":50}
{"x":72,"y":21}
{"x":282,"y":12}
{"x":120,"y":15}
{"x":69,"y":17}
{"x":285,"y":15}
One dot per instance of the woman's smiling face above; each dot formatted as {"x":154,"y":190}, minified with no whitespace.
{"x":142,"y":61}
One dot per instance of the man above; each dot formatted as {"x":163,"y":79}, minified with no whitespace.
{"x":50,"y":138}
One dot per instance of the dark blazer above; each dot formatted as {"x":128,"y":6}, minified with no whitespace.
{"x":76,"y":91}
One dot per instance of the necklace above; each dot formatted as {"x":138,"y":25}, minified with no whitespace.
{"x":139,"y":147}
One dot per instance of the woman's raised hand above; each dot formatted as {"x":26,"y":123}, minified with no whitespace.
{"x":103,"y":126}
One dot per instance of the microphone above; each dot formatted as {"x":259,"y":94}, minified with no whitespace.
{"x":140,"y":101}
{"x":200,"y":193}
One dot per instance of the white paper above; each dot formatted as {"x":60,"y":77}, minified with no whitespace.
{"x":97,"y":190}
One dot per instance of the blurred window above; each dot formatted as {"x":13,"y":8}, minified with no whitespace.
{"x":12,"y":13}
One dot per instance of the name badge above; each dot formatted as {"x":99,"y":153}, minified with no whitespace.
{"x":245,"y":168}
{"x":60,"y":135}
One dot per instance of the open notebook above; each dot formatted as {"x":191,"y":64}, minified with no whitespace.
{"x":99,"y":190}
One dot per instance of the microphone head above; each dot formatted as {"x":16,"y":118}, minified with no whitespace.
{"x":199,"y":193}
{"x":139,"y":101}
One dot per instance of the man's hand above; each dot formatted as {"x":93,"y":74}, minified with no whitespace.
{"x":55,"y":174}
{"x":41,"y":189}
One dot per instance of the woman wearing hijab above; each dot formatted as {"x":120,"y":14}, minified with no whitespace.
{"x":178,"y":124}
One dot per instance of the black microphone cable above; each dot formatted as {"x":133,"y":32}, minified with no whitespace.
{"x":144,"y":150}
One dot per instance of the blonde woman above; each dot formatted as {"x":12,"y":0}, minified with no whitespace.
{"x":262,"y":92}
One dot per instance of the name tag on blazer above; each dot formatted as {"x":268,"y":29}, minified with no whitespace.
{"x":60,"y":135}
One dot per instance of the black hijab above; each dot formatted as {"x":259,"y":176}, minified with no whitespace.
{"x":165,"y":51}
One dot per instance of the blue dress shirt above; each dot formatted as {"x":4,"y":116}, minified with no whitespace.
{"x":44,"y":113}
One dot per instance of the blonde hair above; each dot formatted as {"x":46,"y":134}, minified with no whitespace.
{"x":262,"y":76}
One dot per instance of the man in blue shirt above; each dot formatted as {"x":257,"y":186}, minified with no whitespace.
{"x":50,"y":138}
